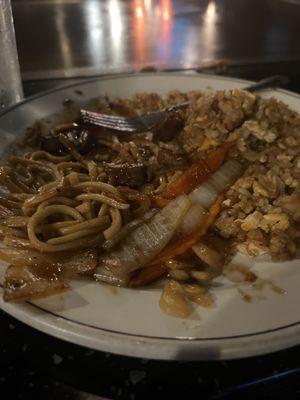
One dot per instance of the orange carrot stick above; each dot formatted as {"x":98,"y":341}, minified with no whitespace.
{"x":194,"y":175}
{"x":191,"y":178}
{"x":215,"y":159}
{"x":148,"y":274}
{"x":159,"y":201}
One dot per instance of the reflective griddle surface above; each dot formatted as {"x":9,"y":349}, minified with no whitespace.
{"x":67,"y":38}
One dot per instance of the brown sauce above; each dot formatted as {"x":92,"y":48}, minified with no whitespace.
{"x":245,"y":296}
{"x":277,"y":289}
{"x":257,"y":283}
{"x":261,"y":283}
{"x":248,"y":275}
{"x":49,"y":272}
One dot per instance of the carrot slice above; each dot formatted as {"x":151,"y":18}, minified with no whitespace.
{"x":194,"y":175}
{"x":159,"y":201}
{"x":191,"y":178}
{"x":148,"y":274}
{"x":215,"y":159}
{"x":157,"y":268}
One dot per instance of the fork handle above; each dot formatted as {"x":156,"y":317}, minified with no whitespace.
{"x":270,"y":82}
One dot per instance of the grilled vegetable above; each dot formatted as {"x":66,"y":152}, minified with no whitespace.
{"x":143,"y":244}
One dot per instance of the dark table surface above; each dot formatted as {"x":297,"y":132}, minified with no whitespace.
{"x":36,"y":366}
{"x":73,"y":38}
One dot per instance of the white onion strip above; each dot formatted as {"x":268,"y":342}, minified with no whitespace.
{"x":145,"y":242}
{"x":205,"y":194}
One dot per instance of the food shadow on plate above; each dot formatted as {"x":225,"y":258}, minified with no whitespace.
{"x":61,"y":302}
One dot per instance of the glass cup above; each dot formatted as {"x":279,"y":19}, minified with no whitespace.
{"x":10,"y":79}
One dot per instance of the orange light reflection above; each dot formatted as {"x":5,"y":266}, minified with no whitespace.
{"x":139,"y":31}
{"x":152,"y":22}
{"x":166,"y":28}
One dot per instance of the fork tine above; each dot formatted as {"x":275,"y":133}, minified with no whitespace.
{"x":117,"y":123}
{"x":110,"y":124}
{"x":132,"y":124}
{"x":129,"y":124}
{"x":96,"y":116}
{"x":108,"y":120}
{"x":113,"y":125}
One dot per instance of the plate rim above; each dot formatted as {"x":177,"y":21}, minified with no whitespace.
{"x":137,"y":74}
{"x":83,"y":338}
{"x":150,"y":347}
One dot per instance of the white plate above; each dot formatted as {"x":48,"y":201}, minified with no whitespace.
{"x":130,"y":322}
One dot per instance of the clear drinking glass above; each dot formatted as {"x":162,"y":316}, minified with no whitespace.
{"x":10,"y":79}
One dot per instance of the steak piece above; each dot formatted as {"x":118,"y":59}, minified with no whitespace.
{"x":132,"y":175}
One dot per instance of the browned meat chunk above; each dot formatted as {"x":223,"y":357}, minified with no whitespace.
{"x":170,"y":127}
{"x":131,"y":175}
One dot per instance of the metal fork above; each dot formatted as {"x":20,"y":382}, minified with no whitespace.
{"x":147,"y":121}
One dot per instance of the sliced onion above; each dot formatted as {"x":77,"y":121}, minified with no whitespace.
{"x":226,"y":175}
{"x":112,"y":276}
{"x":126,"y":229}
{"x":19,"y":257}
{"x":193,"y":217}
{"x":198,"y":294}
{"x":146,"y":241}
{"x":209,"y":255}
{"x":173,"y":301}
{"x":66,"y":264}
{"x":21,"y":284}
{"x":83,"y":262}
{"x":204,"y":195}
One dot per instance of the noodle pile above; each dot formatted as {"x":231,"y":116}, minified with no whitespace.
{"x":53,"y":204}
